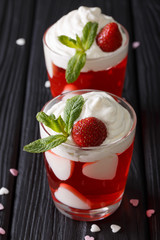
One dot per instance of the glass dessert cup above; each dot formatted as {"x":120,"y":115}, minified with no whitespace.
{"x":103,"y":73}
{"x":88,"y":183}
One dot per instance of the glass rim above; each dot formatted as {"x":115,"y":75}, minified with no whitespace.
{"x":89,"y":59}
{"x":134,"y":117}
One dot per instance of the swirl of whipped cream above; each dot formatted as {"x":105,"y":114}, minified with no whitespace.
{"x":104,"y":107}
{"x":101,"y":105}
{"x":72,"y":24}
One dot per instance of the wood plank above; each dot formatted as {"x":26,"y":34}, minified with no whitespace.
{"x":146,"y":25}
{"x":16,"y":22}
{"x":33,"y":214}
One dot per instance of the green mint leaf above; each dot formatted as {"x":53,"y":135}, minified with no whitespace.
{"x":45,"y":119}
{"x":45,"y":144}
{"x":77,"y":62}
{"x":69,"y":42}
{"x":79,"y":43}
{"x":53,"y":116}
{"x":62,"y":125}
{"x":89,"y":34}
{"x":74,"y":66}
{"x":56,"y":125}
{"x":72,"y":111}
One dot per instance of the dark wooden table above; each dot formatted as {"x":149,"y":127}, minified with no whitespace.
{"x":29,"y":213}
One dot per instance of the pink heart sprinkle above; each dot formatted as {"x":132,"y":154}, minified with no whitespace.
{"x":88,"y":238}
{"x":135,"y":44}
{"x":134,"y":202}
{"x":14,"y":172}
{"x":150,"y":212}
{"x":1,"y":206}
{"x":2,"y":231}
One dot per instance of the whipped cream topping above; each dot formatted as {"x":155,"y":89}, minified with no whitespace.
{"x":119,"y":134}
{"x":100,"y":162}
{"x":104,"y":107}
{"x":72,"y":24}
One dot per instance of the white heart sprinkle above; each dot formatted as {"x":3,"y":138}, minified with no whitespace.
{"x":135,"y":44}
{"x":2,"y":231}
{"x":95,"y":228}
{"x":150,"y":212}
{"x":20,"y":41}
{"x":47,"y":84}
{"x":3,"y":191}
{"x":115,"y":228}
{"x":1,"y":206}
{"x":14,"y":172}
{"x":134,"y":202}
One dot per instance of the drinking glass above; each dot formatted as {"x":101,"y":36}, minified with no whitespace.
{"x":88,"y":183}
{"x":103,"y":73}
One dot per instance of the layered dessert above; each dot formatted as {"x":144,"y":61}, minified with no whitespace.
{"x":87,"y":173}
{"x":105,"y":59}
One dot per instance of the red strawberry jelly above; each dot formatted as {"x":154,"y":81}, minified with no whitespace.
{"x":100,"y":193}
{"x":110,"y":80}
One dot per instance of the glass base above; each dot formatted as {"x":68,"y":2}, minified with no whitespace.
{"x":87,"y":215}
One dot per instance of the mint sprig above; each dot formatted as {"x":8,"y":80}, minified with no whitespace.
{"x":77,"y":62}
{"x":56,"y":125}
{"x":72,"y":111}
{"x":89,"y":33}
{"x":74,"y":67}
{"x":45,"y":144}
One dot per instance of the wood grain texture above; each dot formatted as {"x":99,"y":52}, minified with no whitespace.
{"x":148,"y":64}
{"x":29,"y":210}
{"x":13,"y":65}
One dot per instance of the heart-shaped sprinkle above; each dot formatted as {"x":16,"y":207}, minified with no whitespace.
{"x":20,"y":41}
{"x":115,"y":228}
{"x":95,"y":228}
{"x":1,"y":206}
{"x":135,"y":44}
{"x":150,"y":212}
{"x":14,"y":172}
{"x":3,"y":191}
{"x":47,"y":84}
{"x":134,"y":202}
{"x":88,"y":238}
{"x":2,"y":231}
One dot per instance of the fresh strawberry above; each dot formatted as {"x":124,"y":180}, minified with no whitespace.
{"x":109,"y":38}
{"x":89,"y":132}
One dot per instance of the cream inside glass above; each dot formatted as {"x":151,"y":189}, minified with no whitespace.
{"x":88,"y":183}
